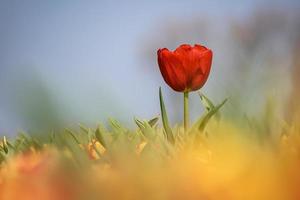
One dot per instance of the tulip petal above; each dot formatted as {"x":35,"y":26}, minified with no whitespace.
{"x":171,"y":69}
{"x":162,"y":65}
{"x":201,"y":70}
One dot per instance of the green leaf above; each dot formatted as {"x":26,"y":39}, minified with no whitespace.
{"x":116,"y":125}
{"x":84,"y":129}
{"x":99,"y":137}
{"x":139,"y":123}
{"x":153,"y":121}
{"x":146,"y":129}
{"x":72,"y":135}
{"x":10,"y":145}
{"x":207,"y":103}
{"x":25,"y":140}
{"x":204,"y":119}
{"x":208,"y":116}
{"x":5,"y":147}
{"x":165,"y":120}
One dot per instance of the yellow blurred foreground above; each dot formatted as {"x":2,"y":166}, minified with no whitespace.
{"x":228,"y":164}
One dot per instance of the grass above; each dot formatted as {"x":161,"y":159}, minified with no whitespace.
{"x":215,"y":159}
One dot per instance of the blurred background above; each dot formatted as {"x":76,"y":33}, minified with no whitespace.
{"x":69,"y":62}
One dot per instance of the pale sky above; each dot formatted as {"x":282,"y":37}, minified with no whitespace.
{"x":86,"y":53}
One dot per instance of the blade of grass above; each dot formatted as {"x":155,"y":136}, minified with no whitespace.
{"x":153,"y":121}
{"x":10,"y":145}
{"x":165,"y":120}
{"x":208,"y":116}
{"x":5,"y":147}
{"x":100,"y":138}
{"x":146,"y":129}
{"x":72,"y":135}
{"x":84,"y":129}
{"x":117,"y":127}
{"x":200,"y":124}
{"x":206,"y":102}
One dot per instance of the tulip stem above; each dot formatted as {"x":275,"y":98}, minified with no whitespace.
{"x":186,"y":110}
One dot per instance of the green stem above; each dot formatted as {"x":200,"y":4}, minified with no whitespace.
{"x":186,"y":110}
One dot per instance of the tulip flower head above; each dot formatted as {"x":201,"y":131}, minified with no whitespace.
{"x":187,"y":68}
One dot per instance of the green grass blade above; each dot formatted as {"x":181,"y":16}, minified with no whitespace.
{"x":84,"y":129}
{"x":153,"y":121}
{"x":146,"y":129}
{"x":99,"y":137}
{"x":116,"y":126}
{"x":206,"y":102}
{"x":10,"y":145}
{"x":165,"y":120}
{"x":5,"y":147}
{"x":72,"y":135}
{"x":208,"y":116}
{"x":200,"y":124}
{"x":209,"y":105}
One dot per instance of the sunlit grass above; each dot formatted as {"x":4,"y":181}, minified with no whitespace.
{"x":216,"y":159}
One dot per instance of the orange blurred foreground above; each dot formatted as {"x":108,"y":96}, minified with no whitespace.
{"x":224,"y":166}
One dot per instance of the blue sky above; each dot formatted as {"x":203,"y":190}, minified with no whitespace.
{"x":86,"y":52}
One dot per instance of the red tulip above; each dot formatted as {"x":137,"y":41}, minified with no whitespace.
{"x":187,"y":68}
